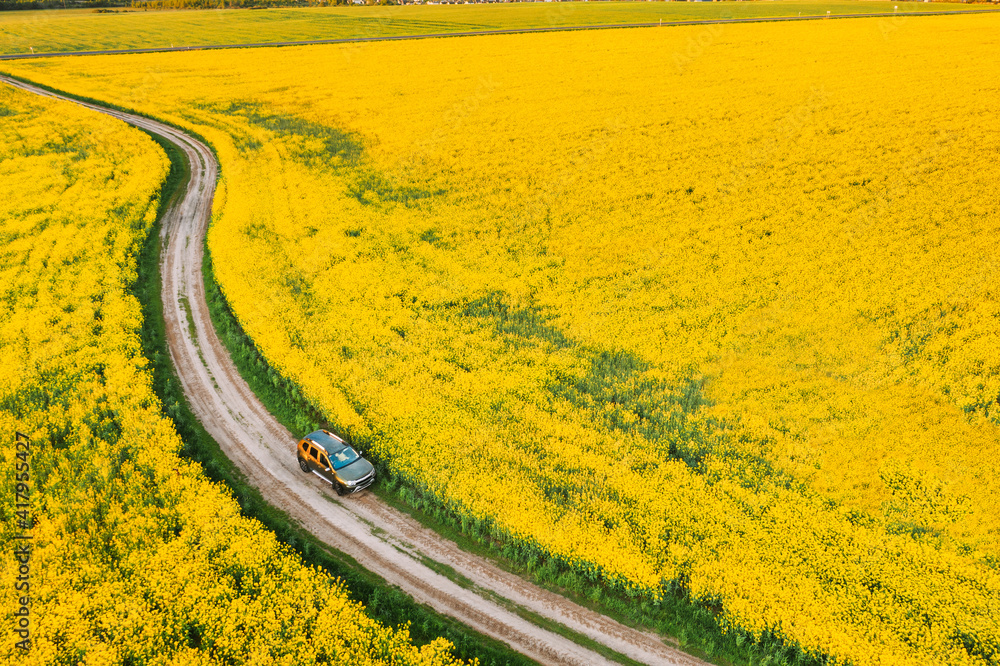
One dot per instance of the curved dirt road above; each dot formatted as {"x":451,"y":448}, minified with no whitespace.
{"x":380,"y":538}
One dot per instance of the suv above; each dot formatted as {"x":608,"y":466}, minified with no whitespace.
{"x":331,"y":458}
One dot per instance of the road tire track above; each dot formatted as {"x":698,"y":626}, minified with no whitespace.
{"x":380,"y":538}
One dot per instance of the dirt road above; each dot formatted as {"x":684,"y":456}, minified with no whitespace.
{"x":382,"y":539}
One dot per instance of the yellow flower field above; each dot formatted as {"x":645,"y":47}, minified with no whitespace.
{"x":721,"y":315}
{"x":46,"y":31}
{"x":137,"y":557}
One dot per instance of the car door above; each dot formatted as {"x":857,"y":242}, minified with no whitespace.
{"x":323,"y":466}
{"x":312,"y":459}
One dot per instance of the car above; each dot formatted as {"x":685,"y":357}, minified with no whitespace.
{"x":330,"y":458}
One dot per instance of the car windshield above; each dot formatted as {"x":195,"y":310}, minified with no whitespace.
{"x":343,"y":457}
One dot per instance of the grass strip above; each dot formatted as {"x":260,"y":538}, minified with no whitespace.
{"x":451,"y":574}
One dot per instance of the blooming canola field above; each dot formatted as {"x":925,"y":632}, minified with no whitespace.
{"x":135,"y":557}
{"x":46,"y":31}
{"x":710,"y":308}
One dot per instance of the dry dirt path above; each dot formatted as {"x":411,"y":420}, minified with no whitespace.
{"x":377,"y":536}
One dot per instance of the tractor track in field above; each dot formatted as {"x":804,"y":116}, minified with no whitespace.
{"x":499,"y":31}
{"x":380,"y":538}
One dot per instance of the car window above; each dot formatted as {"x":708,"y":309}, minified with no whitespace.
{"x":324,"y":462}
{"x":312,"y":452}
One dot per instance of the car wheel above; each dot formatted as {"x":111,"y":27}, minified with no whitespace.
{"x":303,"y":466}
{"x":339,"y":488}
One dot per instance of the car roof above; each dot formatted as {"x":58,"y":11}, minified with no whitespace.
{"x":326,"y":440}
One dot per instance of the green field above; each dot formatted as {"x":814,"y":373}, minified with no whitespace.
{"x":56,"y":30}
